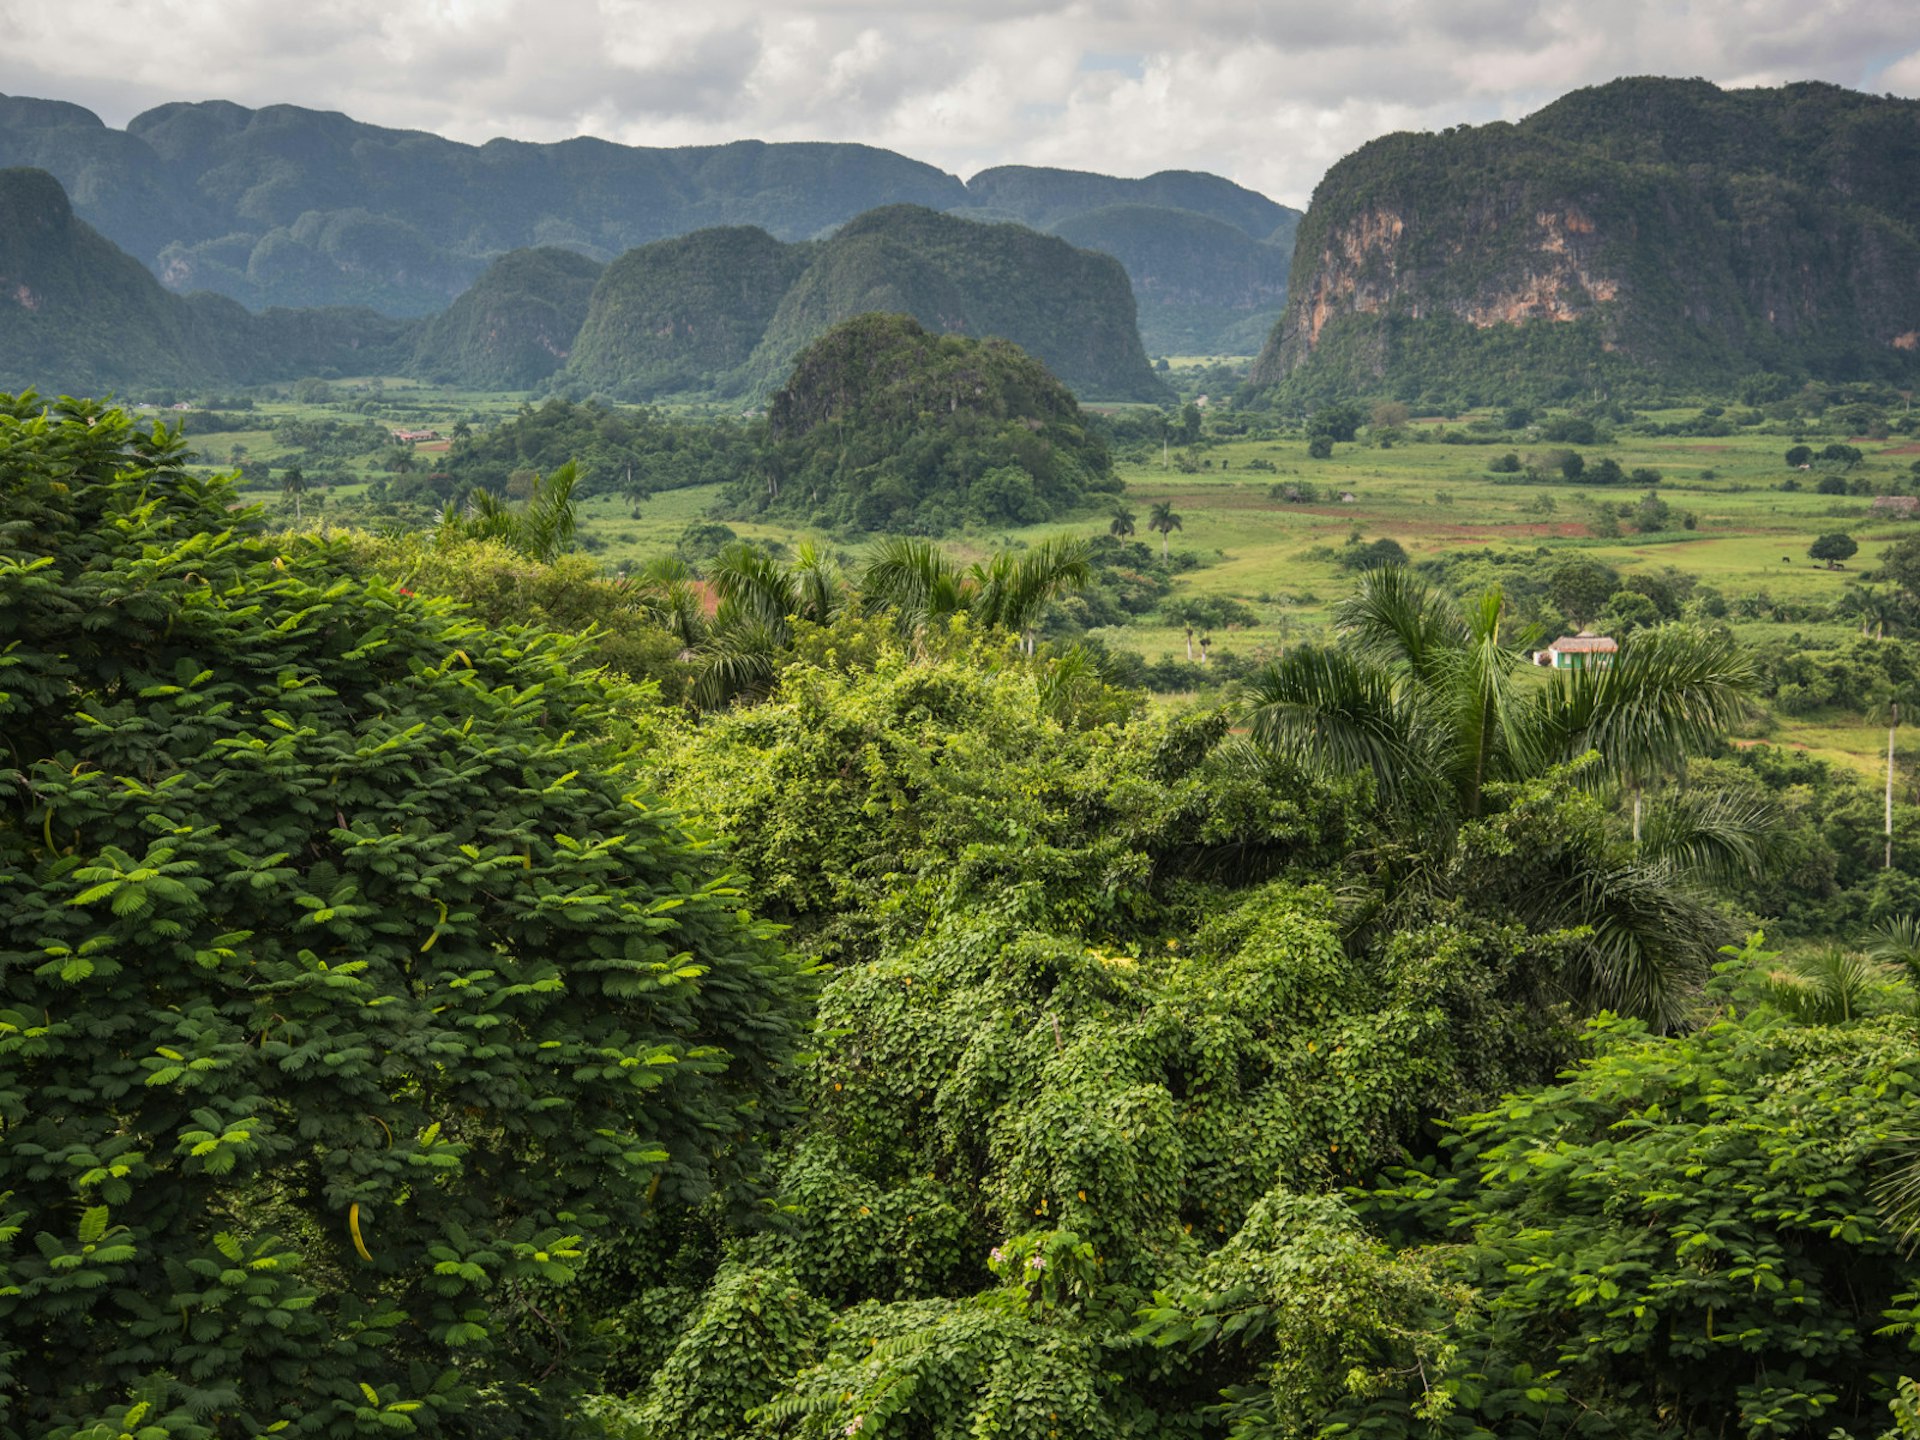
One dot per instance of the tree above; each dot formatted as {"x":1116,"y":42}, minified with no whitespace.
{"x":1164,"y":520}
{"x":915,"y":582}
{"x":1121,"y":526}
{"x":1799,"y":455}
{"x":1572,"y":465}
{"x":295,"y":485}
{"x":1580,"y":587}
{"x":543,"y":526}
{"x":1320,"y":447}
{"x":340,"y":940}
{"x":1426,"y":700}
{"x":1834,"y":548}
{"x":1337,"y":422}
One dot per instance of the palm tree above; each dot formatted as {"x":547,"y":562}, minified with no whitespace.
{"x":295,"y":485}
{"x":542,"y":528}
{"x":1121,"y":526}
{"x":760,"y":599}
{"x":1165,"y":521}
{"x":920,"y":585}
{"x":1428,"y":700}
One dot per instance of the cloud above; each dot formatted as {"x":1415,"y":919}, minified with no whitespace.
{"x":1269,"y":94}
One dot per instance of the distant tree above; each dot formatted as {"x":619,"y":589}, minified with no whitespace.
{"x":1164,"y":520}
{"x":1320,"y":447}
{"x":1572,"y":465}
{"x":1186,"y":428}
{"x":1579,"y":587}
{"x":295,"y":485}
{"x":1605,"y":471}
{"x":1121,"y":526}
{"x":1507,"y":464}
{"x":1845,"y":456}
{"x":1799,"y":455}
{"x":1337,"y":422}
{"x":1627,"y":611}
{"x":1900,"y":566}
{"x":1834,"y":548}
{"x":1645,"y":475}
{"x":1388,"y":415}
{"x":1652,"y":514}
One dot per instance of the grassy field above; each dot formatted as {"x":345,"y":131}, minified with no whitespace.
{"x":1750,"y":536}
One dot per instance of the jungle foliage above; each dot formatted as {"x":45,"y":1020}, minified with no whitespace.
{"x":352,"y":982}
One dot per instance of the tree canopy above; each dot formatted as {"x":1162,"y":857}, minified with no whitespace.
{"x":353,"y":986}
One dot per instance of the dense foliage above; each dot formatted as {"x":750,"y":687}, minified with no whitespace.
{"x":884,"y":426}
{"x":633,"y":453}
{"x":352,"y":984}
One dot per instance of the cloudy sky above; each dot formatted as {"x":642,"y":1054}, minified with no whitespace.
{"x":1268,"y":94}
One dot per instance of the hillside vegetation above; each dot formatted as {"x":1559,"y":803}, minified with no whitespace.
{"x":885,"y":426}
{"x":77,"y":313}
{"x":1660,"y":230}
{"x":729,"y":309}
{"x":513,"y":327}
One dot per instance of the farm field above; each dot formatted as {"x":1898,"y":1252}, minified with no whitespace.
{"x":1280,"y":557}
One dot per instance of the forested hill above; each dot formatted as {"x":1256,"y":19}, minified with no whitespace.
{"x":77,"y":313}
{"x":289,"y":206}
{"x":885,"y":426}
{"x":514,"y":327}
{"x":729,"y":309}
{"x":1648,"y":227}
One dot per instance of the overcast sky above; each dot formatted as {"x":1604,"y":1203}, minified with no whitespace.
{"x":1267,"y":94}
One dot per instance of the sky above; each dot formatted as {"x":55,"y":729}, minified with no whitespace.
{"x":1267,"y":94}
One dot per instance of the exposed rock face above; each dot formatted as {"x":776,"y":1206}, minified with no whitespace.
{"x":1662,"y":226}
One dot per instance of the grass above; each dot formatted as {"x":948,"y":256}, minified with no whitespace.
{"x":1750,"y":536}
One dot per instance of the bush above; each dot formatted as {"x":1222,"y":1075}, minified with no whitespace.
{"x":350,"y":988}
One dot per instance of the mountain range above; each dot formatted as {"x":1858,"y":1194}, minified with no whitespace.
{"x":295,"y":207}
{"x":722,"y":311}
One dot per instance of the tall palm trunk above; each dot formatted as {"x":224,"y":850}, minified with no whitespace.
{"x":1894,"y":722}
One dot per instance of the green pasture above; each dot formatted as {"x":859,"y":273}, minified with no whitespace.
{"x":1749,"y":536}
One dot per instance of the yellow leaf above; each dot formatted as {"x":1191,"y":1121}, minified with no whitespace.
{"x":353,"y":1224}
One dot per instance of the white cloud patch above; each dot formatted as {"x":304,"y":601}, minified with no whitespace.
{"x":1269,"y":94}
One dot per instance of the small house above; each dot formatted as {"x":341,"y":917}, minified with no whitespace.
{"x":1579,"y":652}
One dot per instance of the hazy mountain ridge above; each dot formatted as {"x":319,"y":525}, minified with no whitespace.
{"x":79,"y":314}
{"x":1662,"y":227}
{"x":721,"y":311}
{"x":727,"y":310}
{"x":284,"y":205}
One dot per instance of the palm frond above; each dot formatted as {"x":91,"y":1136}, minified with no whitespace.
{"x":913,"y":579}
{"x":754,"y":586}
{"x":1897,"y":942}
{"x":1650,"y":938}
{"x":1715,"y":837}
{"x":738,"y":661}
{"x":1671,"y":692}
{"x":1012,"y":589}
{"x":1828,"y":986}
{"x":1332,"y":711}
{"x":818,"y":587}
{"x":1395,"y":617}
